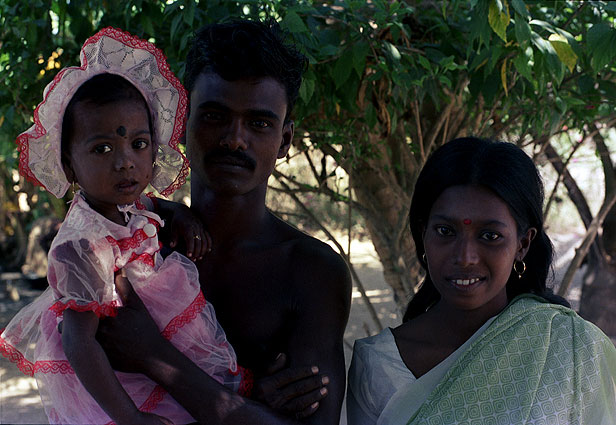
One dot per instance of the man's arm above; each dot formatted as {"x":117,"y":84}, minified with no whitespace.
{"x":322,"y":290}
{"x":133,"y":341}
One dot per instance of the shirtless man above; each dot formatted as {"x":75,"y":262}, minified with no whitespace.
{"x":275,"y":289}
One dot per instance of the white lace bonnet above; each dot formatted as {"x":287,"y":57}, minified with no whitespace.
{"x":116,"y":52}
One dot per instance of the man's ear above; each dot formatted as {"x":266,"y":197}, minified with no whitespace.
{"x":524,"y":243}
{"x":287,"y":137}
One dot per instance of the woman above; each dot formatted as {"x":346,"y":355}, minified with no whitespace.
{"x":484,"y":340}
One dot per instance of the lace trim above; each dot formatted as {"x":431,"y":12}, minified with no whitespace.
{"x":101,"y":310}
{"x":185,"y":317}
{"x":24,"y":138}
{"x":139,"y":205}
{"x":27,"y":367}
{"x":246,"y":383}
{"x":132,"y":242}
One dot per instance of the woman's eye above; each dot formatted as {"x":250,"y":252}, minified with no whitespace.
{"x":141,"y":144}
{"x":443,"y":230}
{"x":102,"y":148}
{"x":490,"y":236}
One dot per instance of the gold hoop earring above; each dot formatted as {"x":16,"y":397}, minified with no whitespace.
{"x":516,"y":268}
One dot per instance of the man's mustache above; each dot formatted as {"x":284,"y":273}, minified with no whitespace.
{"x":234,"y":157}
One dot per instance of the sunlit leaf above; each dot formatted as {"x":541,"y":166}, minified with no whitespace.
{"x":499,"y":20}
{"x":563,"y":50}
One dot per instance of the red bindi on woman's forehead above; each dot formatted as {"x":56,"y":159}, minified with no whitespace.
{"x":467,"y":221}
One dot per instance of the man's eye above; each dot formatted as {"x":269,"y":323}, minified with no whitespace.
{"x":141,"y":144}
{"x":102,"y":149}
{"x":261,"y":124}
{"x":490,"y":236}
{"x":212,"y":116}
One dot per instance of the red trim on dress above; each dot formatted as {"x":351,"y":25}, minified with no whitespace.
{"x":134,"y":241}
{"x":155,"y":397}
{"x":101,"y":310}
{"x":185,"y":317}
{"x":27,"y":367}
{"x":247,"y":382}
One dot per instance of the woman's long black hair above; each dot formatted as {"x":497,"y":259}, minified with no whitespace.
{"x":507,"y":171}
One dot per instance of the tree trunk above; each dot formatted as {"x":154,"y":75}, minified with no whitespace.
{"x":382,"y":189}
{"x":598,"y":302}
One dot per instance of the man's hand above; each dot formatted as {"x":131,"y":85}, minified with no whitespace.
{"x":130,"y":337}
{"x":295,"y":391}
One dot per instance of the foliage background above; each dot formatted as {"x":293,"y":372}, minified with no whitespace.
{"x":388,"y":82}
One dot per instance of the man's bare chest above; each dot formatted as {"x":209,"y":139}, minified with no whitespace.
{"x":253,"y":304}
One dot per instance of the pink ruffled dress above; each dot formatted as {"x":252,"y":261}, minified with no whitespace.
{"x":82,"y":260}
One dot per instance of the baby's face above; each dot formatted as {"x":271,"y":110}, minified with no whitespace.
{"x":111,"y":154}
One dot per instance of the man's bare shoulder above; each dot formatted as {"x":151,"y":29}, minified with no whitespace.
{"x":313,"y":264}
{"x":304,"y":247}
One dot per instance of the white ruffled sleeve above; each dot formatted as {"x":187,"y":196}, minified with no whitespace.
{"x":81,"y":273}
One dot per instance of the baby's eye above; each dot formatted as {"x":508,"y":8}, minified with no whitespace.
{"x":443,"y":230}
{"x":141,"y":144}
{"x":490,"y":236}
{"x":102,"y":148}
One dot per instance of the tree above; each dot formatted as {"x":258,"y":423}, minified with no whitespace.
{"x":388,"y":81}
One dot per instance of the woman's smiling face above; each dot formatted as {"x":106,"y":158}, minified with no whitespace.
{"x":471,"y":241}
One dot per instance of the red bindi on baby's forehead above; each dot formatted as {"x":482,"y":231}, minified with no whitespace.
{"x":467,"y":221}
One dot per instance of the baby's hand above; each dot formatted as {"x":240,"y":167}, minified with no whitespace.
{"x":186,"y":226}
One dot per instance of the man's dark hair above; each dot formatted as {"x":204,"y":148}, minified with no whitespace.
{"x":510,"y":174}
{"x":246,"y":49}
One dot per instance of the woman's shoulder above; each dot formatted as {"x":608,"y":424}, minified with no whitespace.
{"x":378,"y":355}
{"x":563,"y":323}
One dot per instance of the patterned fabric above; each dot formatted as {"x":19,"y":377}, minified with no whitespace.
{"x":81,"y":278}
{"x":537,"y":363}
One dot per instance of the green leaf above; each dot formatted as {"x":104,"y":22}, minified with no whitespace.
{"x":189,"y":12}
{"x":342,"y":68}
{"x":520,"y":8}
{"x":444,"y":80}
{"x":306,"y":90}
{"x":293,"y":23}
{"x":586,"y":84}
{"x":522,"y":30}
{"x":360,"y":51}
{"x":175,"y":24}
{"x":601,"y":38}
{"x":609,"y":88}
{"x":499,"y":20}
{"x":563,"y":50}
{"x":424,"y":62}
{"x":553,"y":63}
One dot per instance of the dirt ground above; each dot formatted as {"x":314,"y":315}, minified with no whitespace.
{"x":19,"y":399}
